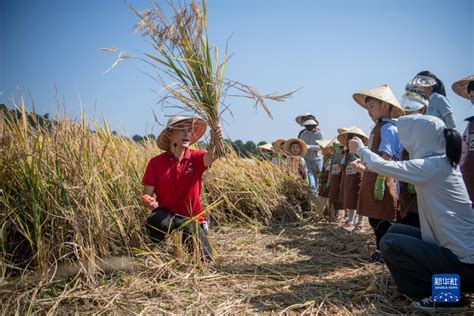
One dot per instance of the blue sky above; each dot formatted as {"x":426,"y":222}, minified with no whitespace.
{"x":330,"y":49}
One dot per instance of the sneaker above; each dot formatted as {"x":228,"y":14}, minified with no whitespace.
{"x":428,"y":305}
{"x":376,"y":257}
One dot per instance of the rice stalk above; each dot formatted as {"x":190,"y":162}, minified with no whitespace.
{"x":192,"y":70}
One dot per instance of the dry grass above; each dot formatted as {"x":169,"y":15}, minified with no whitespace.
{"x":304,"y":266}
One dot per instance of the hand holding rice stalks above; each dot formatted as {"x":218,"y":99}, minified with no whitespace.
{"x":192,"y":72}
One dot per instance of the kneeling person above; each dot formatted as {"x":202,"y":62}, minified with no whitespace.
{"x":175,"y":179}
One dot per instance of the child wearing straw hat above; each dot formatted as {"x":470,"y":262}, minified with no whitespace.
{"x":313,"y":157}
{"x":378,"y":194}
{"x":172,"y":183}
{"x":323,"y":188}
{"x":266,"y":151}
{"x":465,"y":89}
{"x":412,"y":102}
{"x":351,"y":178}
{"x":324,"y":175}
{"x":278,"y":152}
{"x":296,"y":149}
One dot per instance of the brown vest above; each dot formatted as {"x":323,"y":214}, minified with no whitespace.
{"x":467,"y":168}
{"x":334,"y":185}
{"x":323,"y":190}
{"x":351,"y":185}
{"x":385,"y":209}
{"x":407,"y":201}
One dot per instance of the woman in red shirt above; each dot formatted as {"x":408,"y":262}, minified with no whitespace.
{"x":173,"y":180}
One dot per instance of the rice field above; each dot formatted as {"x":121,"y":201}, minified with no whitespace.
{"x":73,"y":239}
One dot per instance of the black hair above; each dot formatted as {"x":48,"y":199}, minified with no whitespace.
{"x":368,"y":98}
{"x":470,"y":86}
{"x":453,"y":146}
{"x":390,"y":106}
{"x":439,"y":86}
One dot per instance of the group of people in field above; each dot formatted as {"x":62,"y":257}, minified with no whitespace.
{"x":412,"y":177}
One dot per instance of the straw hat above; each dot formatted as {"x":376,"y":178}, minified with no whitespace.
{"x":265,"y":147}
{"x":199,"y":128}
{"x":278,"y":144}
{"x":460,"y":87}
{"x":343,"y":129}
{"x":306,"y":118}
{"x":323,"y":142}
{"x":343,"y":137}
{"x":383,"y":93}
{"x":287,"y":145}
{"x":412,"y":101}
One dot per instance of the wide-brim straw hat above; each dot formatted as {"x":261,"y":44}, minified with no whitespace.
{"x":343,"y":129}
{"x":343,"y":137}
{"x":198,"y":125}
{"x":383,"y":93}
{"x":265,"y":147}
{"x":303,"y":146}
{"x":278,"y":144}
{"x":412,"y":101}
{"x":460,"y":87}
{"x":302,"y":119}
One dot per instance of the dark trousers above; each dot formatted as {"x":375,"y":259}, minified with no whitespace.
{"x":161,"y":223}
{"x":380,"y":228}
{"x":412,"y":219}
{"x":412,"y":262}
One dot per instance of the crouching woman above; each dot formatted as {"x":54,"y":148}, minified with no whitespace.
{"x":444,"y":243}
{"x":172,"y":183}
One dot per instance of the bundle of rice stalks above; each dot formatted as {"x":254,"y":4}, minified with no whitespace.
{"x":192,"y":71}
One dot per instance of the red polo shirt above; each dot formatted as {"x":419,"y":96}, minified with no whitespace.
{"x":177,"y":183}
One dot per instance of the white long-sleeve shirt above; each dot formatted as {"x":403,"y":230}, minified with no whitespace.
{"x":446,"y":213}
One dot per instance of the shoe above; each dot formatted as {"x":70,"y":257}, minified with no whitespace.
{"x":428,"y":305}
{"x":376,"y":257}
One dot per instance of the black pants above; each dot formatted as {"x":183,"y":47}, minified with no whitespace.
{"x":380,"y":228}
{"x":412,"y":262}
{"x":412,"y":219}
{"x":161,"y":223}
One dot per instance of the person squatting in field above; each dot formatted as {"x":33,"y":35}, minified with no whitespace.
{"x":173,"y":181}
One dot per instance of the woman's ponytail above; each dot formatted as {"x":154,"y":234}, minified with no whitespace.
{"x":453,"y":146}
